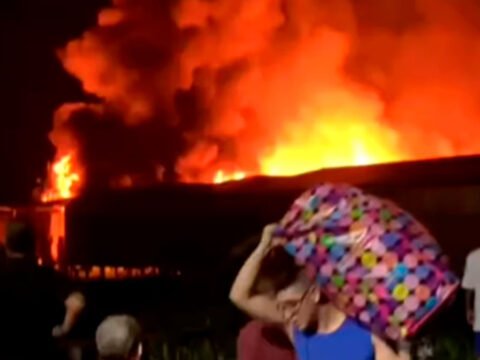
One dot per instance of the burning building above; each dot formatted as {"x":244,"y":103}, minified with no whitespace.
{"x":206,"y":92}
{"x":195,"y":227}
{"x":48,"y":220}
{"x":209,"y":91}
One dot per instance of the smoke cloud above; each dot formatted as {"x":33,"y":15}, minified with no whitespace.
{"x":271,"y":86}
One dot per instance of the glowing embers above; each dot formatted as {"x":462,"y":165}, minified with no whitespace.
{"x":111,"y":272}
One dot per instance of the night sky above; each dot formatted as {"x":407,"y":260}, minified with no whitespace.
{"x":33,"y":84}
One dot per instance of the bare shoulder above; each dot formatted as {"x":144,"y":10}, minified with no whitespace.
{"x":384,"y":351}
{"x":261,"y":307}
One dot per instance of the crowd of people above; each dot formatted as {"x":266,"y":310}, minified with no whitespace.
{"x":292,"y":318}
{"x":38,"y":307}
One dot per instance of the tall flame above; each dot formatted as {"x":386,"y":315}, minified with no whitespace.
{"x":342,"y":131}
{"x":57,"y":231}
{"x":338,"y":129}
{"x":63,"y":180}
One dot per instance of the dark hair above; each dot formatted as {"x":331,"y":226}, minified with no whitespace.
{"x":278,"y":269}
{"x":20,"y":238}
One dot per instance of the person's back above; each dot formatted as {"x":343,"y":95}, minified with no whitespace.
{"x":258,"y":340}
{"x":349,"y":342}
{"x":31,"y":299}
{"x":30,"y":308}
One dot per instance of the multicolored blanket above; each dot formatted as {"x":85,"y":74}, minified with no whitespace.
{"x":372,"y":259}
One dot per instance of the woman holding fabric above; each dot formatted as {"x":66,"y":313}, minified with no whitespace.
{"x":316,"y":328}
{"x":365,"y":254}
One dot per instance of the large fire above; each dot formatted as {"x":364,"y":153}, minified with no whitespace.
{"x":334,"y":136}
{"x":218,"y":91}
{"x":333,"y":140}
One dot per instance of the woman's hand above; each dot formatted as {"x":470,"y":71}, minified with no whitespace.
{"x":267,"y":241}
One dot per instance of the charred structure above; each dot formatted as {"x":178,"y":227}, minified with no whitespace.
{"x":195,"y":227}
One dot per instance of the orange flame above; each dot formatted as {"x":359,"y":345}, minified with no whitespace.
{"x":222,"y":176}
{"x":62,"y":180}
{"x":345,"y":132}
{"x":279,"y":89}
{"x":341,"y":129}
{"x":57,"y":231}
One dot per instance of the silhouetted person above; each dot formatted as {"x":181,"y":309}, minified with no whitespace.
{"x":35,"y":306}
{"x":118,"y":337}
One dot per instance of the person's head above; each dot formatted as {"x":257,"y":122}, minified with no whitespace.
{"x":301,"y":302}
{"x":20,"y":240}
{"x":290,"y":297}
{"x":290,"y":285}
{"x":118,"y":337}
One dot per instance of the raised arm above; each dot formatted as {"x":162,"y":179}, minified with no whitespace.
{"x":74,"y":305}
{"x":261,"y":306}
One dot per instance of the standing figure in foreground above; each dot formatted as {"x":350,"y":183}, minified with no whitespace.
{"x":317,"y":329}
{"x":262,"y":338}
{"x":471,"y":283}
{"x":33,"y":300}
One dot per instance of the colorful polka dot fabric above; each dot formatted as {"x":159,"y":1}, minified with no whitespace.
{"x":371,"y":258}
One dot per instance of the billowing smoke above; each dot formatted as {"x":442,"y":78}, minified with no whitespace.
{"x":271,"y":86}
